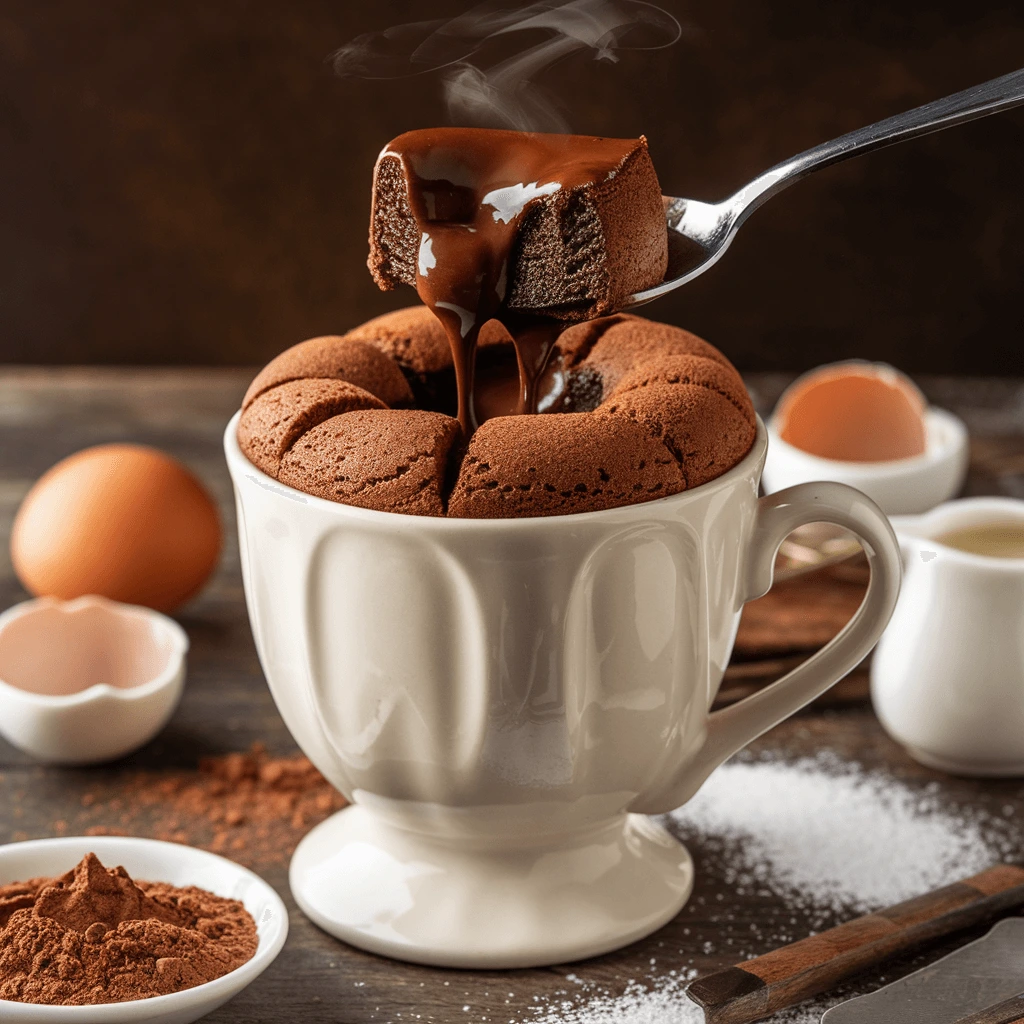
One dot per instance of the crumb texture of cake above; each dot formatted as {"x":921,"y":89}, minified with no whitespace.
{"x":387,"y":459}
{"x":582,"y":254}
{"x":644,"y":410}
{"x":579,"y":250}
{"x":394,"y":236}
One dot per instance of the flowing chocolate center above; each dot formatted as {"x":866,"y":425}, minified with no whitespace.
{"x":469,"y":191}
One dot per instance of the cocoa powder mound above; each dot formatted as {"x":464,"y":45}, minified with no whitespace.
{"x":249,"y":806}
{"x":94,"y":936}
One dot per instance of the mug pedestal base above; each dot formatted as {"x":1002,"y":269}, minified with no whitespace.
{"x":452,"y":903}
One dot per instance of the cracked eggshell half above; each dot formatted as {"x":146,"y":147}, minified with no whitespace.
{"x":88,"y":680}
{"x":866,"y":425}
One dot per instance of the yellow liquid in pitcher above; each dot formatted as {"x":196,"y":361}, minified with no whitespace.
{"x":997,"y":540}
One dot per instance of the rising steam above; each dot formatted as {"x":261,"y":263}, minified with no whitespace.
{"x":505,"y":95}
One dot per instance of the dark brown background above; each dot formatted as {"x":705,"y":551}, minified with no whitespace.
{"x":183,"y":181}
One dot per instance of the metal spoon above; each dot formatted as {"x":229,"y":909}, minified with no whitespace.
{"x":699,"y":233}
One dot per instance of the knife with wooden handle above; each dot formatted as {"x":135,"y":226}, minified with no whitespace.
{"x":1009,"y":1011}
{"x":759,"y":987}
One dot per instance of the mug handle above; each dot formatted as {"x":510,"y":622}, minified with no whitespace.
{"x":778,"y":514}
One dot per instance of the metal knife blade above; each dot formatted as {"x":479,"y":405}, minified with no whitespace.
{"x":969,"y":979}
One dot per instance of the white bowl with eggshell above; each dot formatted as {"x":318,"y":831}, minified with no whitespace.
{"x":930,"y":444}
{"x":87,"y":680}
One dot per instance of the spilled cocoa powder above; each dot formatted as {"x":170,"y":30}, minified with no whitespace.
{"x":94,"y":936}
{"x":251,"y":807}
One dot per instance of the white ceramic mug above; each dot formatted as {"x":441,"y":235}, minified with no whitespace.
{"x":947,"y":679}
{"x":503,"y":701}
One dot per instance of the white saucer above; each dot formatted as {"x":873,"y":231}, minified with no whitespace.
{"x":152,"y":861}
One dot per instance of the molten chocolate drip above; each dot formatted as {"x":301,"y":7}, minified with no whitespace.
{"x":497,"y":385}
{"x":469,"y":190}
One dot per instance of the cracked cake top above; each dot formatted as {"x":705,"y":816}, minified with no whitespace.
{"x":634,"y":410}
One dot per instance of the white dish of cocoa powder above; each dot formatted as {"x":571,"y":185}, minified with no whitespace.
{"x":153,"y":861}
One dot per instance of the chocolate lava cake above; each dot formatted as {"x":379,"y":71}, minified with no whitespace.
{"x":480,"y":403}
{"x":579,"y":250}
{"x":635,"y":410}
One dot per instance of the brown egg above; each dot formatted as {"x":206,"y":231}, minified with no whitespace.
{"x":120,"y":520}
{"x":853,"y":412}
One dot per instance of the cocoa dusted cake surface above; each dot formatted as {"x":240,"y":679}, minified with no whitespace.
{"x":521,"y":466}
{"x":389,"y":459}
{"x":368,"y":366}
{"x":635,"y":410}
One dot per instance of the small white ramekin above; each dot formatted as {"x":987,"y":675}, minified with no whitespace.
{"x":900,"y":487}
{"x":100,"y":721}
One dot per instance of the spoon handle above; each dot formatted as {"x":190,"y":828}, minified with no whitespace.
{"x":978,"y":101}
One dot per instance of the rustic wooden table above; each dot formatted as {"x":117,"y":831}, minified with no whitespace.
{"x":46,"y":414}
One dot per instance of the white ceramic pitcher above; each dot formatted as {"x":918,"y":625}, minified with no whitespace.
{"x":947,"y":677}
{"x":504,"y":700}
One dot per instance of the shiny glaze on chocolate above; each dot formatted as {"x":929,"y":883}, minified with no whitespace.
{"x":469,"y":190}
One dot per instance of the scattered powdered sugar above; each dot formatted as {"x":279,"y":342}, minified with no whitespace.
{"x":663,"y":1002}
{"x":658,"y":1004}
{"x":829,"y":838}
